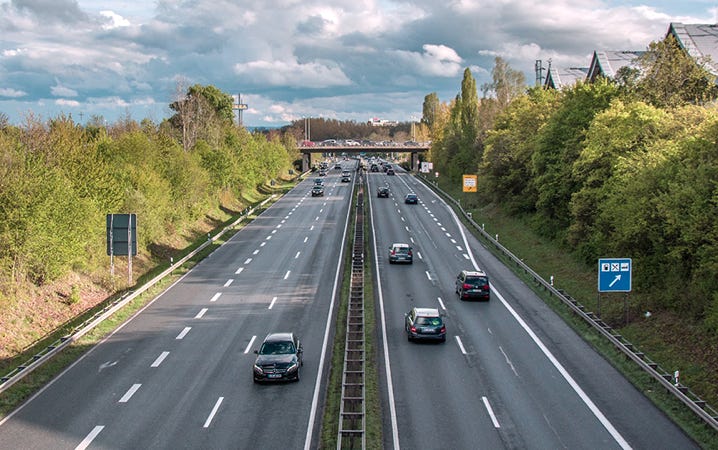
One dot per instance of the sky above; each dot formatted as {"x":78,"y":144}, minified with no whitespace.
{"x":293,"y":59}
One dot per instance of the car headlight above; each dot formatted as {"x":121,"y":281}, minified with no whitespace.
{"x":258,"y":369}
{"x":294,"y":366}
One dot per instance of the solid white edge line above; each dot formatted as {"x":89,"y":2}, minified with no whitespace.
{"x":128,"y":395}
{"x":385,"y":342}
{"x":214,"y":411}
{"x":327,"y":329}
{"x":491,"y":412}
{"x":272,"y":303}
{"x":159,"y":359}
{"x":249,"y":346}
{"x":582,"y":395}
{"x":215,"y":297}
{"x":461,"y":344}
{"x":183,"y":333}
{"x":90,"y":437}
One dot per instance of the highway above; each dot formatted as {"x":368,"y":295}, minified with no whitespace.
{"x":179,"y":373}
{"x":511,"y":373}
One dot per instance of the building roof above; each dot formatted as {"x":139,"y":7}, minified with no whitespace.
{"x":700,"y":41}
{"x":606,"y":63}
{"x":558,"y":78}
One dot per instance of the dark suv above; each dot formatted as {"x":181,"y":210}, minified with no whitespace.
{"x":278,"y":359}
{"x":424,"y":323}
{"x":383,"y":191}
{"x":473,"y":284}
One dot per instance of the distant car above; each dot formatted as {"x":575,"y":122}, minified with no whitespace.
{"x":390,"y":171}
{"x":279,"y":358}
{"x":346,"y":178}
{"x":319,"y":181}
{"x":424,"y":323}
{"x":328,"y":143}
{"x":338,"y":166}
{"x":473,"y":284}
{"x":400,"y":253}
{"x":411,"y":199}
{"x":318,"y":191}
{"x":383,"y":191}
{"x":374,"y":168}
{"x":322,"y":173}
{"x":307,"y":143}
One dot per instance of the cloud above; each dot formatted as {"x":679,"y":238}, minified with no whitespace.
{"x":114,"y":20}
{"x":292,"y":74}
{"x":65,"y":102}
{"x":436,"y":60}
{"x":12,"y":93}
{"x":61,"y":91}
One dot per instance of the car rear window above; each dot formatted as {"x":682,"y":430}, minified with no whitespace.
{"x":428,"y":321}
{"x":477,"y":281}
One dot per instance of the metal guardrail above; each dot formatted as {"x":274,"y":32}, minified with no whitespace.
{"x":46,"y":354}
{"x":352,"y":412}
{"x":703,"y":410}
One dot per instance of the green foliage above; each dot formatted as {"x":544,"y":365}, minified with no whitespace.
{"x":430,"y":109}
{"x":558,"y":145}
{"x":672,"y":78}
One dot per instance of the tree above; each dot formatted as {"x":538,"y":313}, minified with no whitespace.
{"x":670,"y":77}
{"x":430,"y":109}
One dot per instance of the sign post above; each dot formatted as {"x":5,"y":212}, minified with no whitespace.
{"x":614,"y":275}
{"x":122,"y":239}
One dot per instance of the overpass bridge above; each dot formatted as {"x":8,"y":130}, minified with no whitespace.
{"x":414,"y":150}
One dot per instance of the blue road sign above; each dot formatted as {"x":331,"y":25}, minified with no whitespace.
{"x":614,"y":275}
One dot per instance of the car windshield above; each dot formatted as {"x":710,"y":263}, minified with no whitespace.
{"x":277,"y":348}
{"x":428,"y":321}
{"x":401,"y":249}
{"x":477,"y":281}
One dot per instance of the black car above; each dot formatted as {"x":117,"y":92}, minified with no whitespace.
{"x":411,"y":199}
{"x":400,"y":253}
{"x":279,"y":358}
{"x":424,"y":323}
{"x":318,"y":190}
{"x":390,"y":171}
{"x":473,"y":284}
{"x":383,"y":191}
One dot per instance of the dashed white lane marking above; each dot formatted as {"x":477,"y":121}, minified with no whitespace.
{"x":249,"y":346}
{"x":274,"y":231}
{"x":461,"y":344}
{"x":262,"y":244}
{"x":286,"y":275}
{"x":214,"y":411}
{"x":297,"y":255}
{"x":491,"y":412}
{"x":201,"y":313}
{"x":247,"y":261}
{"x":215,"y":297}
{"x":441,"y":303}
{"x":427,"y":275}
{"x":306,"y":238}
{"x":311,"y":228}
{"x":466,"y":256}
{"x":239,"y":271}
{"x":402,"y":219}
{"x":453,"y":241}
{"x":316,"y":218}
{"x":272,"y":303}
{"x":255,"y":252}
{"x":128,"y":395}
{"x":159,"y":359}
{"x":90,"y":437}
{"x":183,"y":333}
{"x":268,"y":238}
{"x":407,"y":228}
{"x":230,"y":281}
{"x":419,"y":255}
{"x":412,"y":240}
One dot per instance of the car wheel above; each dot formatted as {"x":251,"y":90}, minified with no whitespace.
{"x":297,"y":378}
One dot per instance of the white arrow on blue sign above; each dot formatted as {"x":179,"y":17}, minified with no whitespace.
{"x":614,"y":274}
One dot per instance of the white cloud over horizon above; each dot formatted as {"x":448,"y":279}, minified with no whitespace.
{"x":345,"y":59}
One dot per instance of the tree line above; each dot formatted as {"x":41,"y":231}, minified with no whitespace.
{"x":59,"y":178}
{"x":623,"y":167}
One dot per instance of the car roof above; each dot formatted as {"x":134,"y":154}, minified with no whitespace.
{"x":473,"y":273}
{"x":279,"y":337}
{"x":400,"y":244}
{"x":427,"y":312}
{"x":411,"y":195}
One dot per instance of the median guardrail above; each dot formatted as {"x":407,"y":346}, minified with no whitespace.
{"x":702,"y":409}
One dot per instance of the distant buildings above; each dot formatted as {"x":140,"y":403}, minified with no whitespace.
{"x":377,"y":122}
{"x":699,"y":41}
